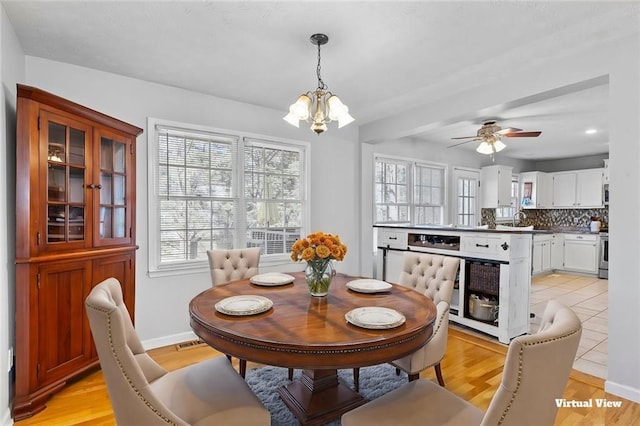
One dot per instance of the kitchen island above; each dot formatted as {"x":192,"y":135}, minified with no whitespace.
{"x":494,"y":281}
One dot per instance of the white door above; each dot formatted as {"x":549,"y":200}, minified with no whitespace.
{"x":467,"y":210}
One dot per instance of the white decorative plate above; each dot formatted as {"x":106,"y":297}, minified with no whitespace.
{"x":367,"y":285}
{"x":272,"y":279}
{"x":244,"y":305}
{"x":375,"y":317}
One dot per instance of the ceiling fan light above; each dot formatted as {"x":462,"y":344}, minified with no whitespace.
{"x":301,"y":108}
{"x":498,"y":145}
{"x":484,"y":148}
{"x":292,"y":119}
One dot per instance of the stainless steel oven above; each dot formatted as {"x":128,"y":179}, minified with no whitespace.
{"x":603,"y":271}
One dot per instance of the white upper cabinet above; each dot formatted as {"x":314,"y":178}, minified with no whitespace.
{"x":578,"y":189}
{"x":495,"y":186}
{"x":535,"y":190}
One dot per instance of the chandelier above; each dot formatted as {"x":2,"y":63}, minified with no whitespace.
{"x":319,"y":107}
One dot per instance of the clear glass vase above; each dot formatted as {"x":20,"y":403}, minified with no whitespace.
{"x":319,"y":274}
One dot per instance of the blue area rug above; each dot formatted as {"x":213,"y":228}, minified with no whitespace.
{"x":374,"y":382}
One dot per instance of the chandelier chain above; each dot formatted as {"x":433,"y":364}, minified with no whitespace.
{"x":321,"y":84}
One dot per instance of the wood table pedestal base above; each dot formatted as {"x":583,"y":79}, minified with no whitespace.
{"x":319,"y":397}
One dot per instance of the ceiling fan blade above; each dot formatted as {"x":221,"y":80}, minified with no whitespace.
{"x":462,"y":143}
{"x":466,"y":137}
{"x":522,"y":135}
{"x":508,"y":130}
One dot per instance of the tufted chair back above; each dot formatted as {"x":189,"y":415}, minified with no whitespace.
{"x":144,"y":393}
{"x":535,"y":374}
{"x":536,"y":370}
{"x":232,"y":265}
{"x":430,"y":274}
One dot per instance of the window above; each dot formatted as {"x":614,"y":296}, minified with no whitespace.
{"x":466,"y":197}
{"x":218,"y":189}
{"x":507,"y":213}
{"x":429,"y":195}
{"x":392,"y":192}
{"x":408,"y":192}
{"x":273,"y":194}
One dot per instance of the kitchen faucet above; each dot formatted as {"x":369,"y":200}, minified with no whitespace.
{"x":518,"y":213}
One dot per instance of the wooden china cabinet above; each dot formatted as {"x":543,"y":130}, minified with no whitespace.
{"x":75,"y":226}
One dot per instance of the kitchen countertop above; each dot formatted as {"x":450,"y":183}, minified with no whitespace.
{"x":553,"y":230}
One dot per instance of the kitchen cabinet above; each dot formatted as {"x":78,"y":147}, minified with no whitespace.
{"x":494,"y":266}
{"x":75,"y":226}
{"x":535,"y":190}
{"x":557,"y":251}
{"x":495,"y":186}
{"x":578,"y":189}
{"x":581,"y":253}
{"x":541,"y":260}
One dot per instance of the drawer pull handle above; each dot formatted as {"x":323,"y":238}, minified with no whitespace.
{"x":393,"y":238}
{"x":482,"y":245}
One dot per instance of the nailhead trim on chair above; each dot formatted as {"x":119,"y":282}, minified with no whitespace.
{"x":520,"y":362}
{"x":135,"y":389}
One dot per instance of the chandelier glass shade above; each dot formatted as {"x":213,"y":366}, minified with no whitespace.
{"x":320,"y":106}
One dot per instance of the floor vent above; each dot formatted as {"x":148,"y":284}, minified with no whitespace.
{"x":190,"y":344}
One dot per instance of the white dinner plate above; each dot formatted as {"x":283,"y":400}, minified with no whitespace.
{"x":272,"y":279}
{"x":367,"y":285}
{"x":375,"y":317}
{"x":244,"y":305}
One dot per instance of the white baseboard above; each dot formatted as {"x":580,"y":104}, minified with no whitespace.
{"x":159,"y":342}
{"x":6,"y":417}
{"x":622,"y":391}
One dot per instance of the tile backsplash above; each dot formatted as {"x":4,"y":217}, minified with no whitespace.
{"x":552,"y":218}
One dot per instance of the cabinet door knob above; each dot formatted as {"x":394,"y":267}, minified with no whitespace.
{"x":91,"y":186}
{"x":504,"y":246}
{"x":99,"y":186}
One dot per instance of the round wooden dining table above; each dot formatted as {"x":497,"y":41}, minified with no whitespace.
{"x":311,"y":333}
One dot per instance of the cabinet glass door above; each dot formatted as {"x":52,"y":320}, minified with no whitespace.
{"x":114,"y":215}
{"x":66,"y":204}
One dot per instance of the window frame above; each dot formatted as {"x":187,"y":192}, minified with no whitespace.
{"x":412,"y":166}
{"x":158,"y":268}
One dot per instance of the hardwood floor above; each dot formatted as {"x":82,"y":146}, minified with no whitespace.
{"x":472,"y":369}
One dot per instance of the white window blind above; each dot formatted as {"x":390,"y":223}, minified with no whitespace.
{"x":221,"y":189}
{"x":273,"y":190}
{"x":197,"y":203}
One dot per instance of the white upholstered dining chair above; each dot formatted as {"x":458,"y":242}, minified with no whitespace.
{"x":535,"y":374}
{"x":434,"y":276}
{"x":232,"y":265}
{"x":144,"y":393}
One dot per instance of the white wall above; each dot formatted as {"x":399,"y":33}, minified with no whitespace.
{"x":162,"y":302}
{"x":619,"y":60}
{"x":12,"y":69}
{"x":578,"y":163}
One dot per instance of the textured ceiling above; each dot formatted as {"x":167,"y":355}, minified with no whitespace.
{"x":382,"y":57}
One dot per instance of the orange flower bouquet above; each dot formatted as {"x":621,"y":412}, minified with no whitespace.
{"x":318,"y":250}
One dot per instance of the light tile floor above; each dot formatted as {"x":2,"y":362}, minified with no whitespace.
{"x":588,"y":297}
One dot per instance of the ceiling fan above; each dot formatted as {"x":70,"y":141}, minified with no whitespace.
{"x":491,"y":136}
